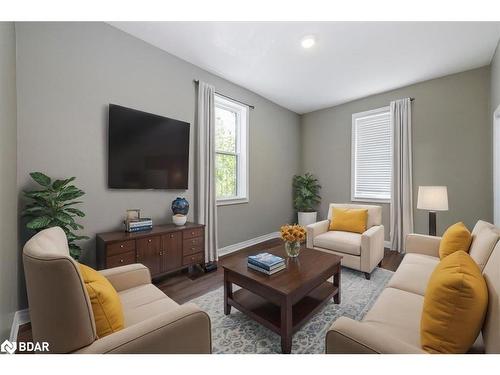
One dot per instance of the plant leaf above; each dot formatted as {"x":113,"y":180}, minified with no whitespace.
{"x":68,"y":196}
{"x":74,"y":250}
{"x":75,"y":211}
{"x":64,"y":217}
{"x":60,"y":183}
{"x":39,"y":222}
{"x":33,"y":210}
{"x":71,"y":203}
{"x":41,"y":178}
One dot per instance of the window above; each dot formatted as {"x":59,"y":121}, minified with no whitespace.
{"x":231,"y":151}
{"x":371,"y":162}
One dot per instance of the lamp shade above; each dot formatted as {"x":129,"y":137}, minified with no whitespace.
{"x":433,"y":198}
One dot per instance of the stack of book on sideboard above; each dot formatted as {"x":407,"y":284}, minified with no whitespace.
{"x":139,"y":224}
{"x":266,"y":263}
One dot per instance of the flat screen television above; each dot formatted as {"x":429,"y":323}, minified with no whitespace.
{"x":146,"y":151}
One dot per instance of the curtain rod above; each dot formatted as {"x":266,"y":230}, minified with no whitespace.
{"x":228,"y":97}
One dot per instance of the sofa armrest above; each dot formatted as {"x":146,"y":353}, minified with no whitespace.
{"x":126,"y":277}
{"x":185,"y":330}
{"x":347,"y":336}
{"x":422,"y":244}
{"x":372,"y":248}
{"x":315,"y":229}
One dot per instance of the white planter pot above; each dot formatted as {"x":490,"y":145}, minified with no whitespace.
{"x":179,"y":219}
{"x":306,"y":218}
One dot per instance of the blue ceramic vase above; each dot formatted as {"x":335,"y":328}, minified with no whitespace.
{"x":180,"y":206}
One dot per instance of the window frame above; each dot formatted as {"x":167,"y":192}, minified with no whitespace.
{"x":355,"y":117}
{"x":241,"y":154}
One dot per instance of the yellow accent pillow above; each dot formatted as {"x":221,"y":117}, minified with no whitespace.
{"x":106,"y":305}
{"x":455,"y":238}
{"x":455,"y":305}
{"x":349,"y":219}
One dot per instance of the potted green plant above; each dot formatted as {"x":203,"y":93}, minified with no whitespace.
{"x":52,"y":206}
{"x":306,"y":198}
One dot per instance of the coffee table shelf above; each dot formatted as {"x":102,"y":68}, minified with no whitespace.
{"x":269,"y":314}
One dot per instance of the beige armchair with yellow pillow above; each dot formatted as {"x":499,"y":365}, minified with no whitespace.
{"x":62,"y":315}
{"x":396,"y":323}
{"x":359,"y":251}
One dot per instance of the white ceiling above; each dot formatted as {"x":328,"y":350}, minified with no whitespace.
{"x":351,"y":60}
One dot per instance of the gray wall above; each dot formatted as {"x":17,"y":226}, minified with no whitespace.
{"x":495,"y":80}
{"x":8,"y":187}
{"x":69,"y":72}
{"x":451,"y":138}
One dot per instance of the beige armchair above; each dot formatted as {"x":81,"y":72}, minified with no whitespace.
{"x":362,"y":252}
{"x":61,"y":313}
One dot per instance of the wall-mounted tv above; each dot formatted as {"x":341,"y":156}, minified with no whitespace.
{"x":146,"y":151}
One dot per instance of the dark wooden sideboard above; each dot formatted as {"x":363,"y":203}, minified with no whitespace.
{"x":163,"y":249}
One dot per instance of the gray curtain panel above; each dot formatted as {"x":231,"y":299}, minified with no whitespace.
{"x":401,"y":197}
{"x":207,"y":207}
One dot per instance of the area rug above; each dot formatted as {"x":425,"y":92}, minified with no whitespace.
{"x":238,"y":334}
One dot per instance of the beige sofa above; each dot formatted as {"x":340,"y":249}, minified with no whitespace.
{"x":393,"y":323}
{"x":61,"y":313}
{"x":362,"y":252}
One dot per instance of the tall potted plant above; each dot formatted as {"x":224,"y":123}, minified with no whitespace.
{"x":53,"y":205}
{"x":306,"y":198}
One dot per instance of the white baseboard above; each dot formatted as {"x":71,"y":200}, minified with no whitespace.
{"x":241,"y":245}
{"x":20,"y":317}
{"x":387,"y":244}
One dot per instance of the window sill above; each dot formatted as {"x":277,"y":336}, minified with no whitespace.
{"x":231,"y":201}
{"x":371,"y":200}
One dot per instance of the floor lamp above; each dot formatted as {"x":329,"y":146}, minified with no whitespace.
{"x":432,"y":199}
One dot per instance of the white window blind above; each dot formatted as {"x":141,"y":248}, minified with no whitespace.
{"x":371,"y":161}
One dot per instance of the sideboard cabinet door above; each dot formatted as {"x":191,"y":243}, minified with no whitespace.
{"x":149,"y":253}
{"x":171,"y":251}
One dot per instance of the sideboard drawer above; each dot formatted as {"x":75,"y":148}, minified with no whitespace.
{"x":196,"y":241}
{"x":191,"y":233}
{"x":120,"y":259}
{"x":192,"y":249}
{"x":193,"y":259}
{"x":120,"y":247}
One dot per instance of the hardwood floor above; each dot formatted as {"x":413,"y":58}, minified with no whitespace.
{"x":185,"y":285}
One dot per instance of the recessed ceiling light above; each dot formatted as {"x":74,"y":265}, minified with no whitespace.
{"x":308,"y":41}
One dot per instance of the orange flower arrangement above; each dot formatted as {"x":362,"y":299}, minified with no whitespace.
{"x":293,"y":233}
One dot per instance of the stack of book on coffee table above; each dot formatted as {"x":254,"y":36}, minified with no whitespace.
{"x":266,"y":263}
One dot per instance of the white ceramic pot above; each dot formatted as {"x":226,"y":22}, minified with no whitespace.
{"x":306,"y":218}
{"x":179,"y":219}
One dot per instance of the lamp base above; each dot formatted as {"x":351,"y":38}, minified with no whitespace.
{"x":432,"y":223}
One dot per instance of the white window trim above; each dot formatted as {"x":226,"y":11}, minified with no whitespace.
{"x":355,"y":116}
{"x":242,"y":148}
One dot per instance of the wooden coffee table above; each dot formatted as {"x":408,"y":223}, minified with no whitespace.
{"x":283,"y":302}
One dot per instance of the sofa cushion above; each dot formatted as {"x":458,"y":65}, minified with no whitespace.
{"x":455,"y":305}
{"x":142,"y":302}
{"x":457,"y":237}
{"x":480,"y":225}
{"x":483,"y":242}
{"x":349,"y":220}
{"x":374,"y":212}
{"x":414,"y":273}
{"x":398,"y":313}
{"x":344,"y":242}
